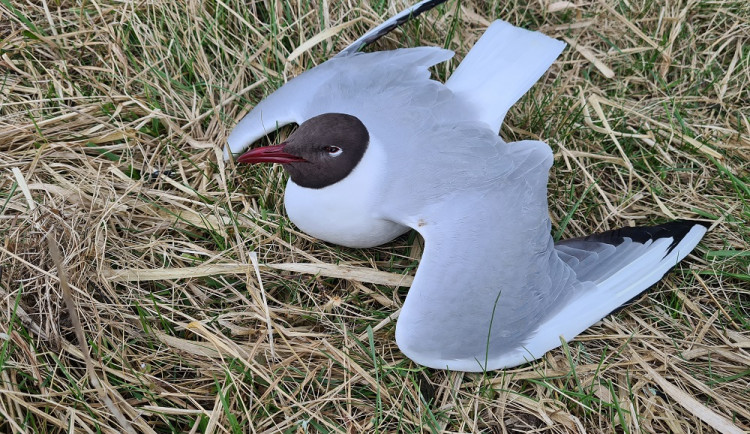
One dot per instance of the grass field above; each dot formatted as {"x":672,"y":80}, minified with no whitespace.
{"x":113,"y":115}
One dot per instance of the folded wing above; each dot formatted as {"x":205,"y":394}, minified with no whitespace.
{"x":494,"y":291}
{"x":490,"y":274}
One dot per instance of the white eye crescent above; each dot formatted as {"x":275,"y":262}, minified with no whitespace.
{"x":333,"y":151}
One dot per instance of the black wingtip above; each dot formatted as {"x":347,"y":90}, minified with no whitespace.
{"x":389,"y":25}
{"x":706,"y":225}
{"x":676,"y":230}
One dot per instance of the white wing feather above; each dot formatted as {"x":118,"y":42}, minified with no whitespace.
{"x":501,"y":67}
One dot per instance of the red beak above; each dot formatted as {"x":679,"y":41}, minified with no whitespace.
{"x":269,"y":154}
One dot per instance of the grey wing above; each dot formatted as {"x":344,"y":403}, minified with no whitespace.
{"x":345,"y":84}
{"x":283,"y":107}
{"x":489,"y":275}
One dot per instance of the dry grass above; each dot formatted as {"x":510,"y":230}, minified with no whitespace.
{"x":112,"y":118}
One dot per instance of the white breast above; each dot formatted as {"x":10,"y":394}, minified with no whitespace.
{"x":345,"y":213}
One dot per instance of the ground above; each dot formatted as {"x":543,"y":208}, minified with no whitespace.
{"x":154,"y":316}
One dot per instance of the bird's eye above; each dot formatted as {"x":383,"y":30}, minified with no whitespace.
{"x":333,"y":151}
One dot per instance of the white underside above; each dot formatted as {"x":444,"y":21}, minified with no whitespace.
{"x":345,"y":213}
{"x":581,"y":313}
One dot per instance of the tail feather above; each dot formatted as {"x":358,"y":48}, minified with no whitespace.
{"x":501,"y":67}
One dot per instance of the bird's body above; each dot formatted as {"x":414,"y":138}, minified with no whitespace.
{"x":381,"y":149}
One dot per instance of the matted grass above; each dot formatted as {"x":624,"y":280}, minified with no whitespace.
{"x":112,"y":120}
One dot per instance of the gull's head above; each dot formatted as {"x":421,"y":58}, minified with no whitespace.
{"x":321,"y":152}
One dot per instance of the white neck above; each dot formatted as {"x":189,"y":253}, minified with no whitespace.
{"x":345,"y":213}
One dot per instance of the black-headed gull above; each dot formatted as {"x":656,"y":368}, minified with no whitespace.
{"x":381,"y":149}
